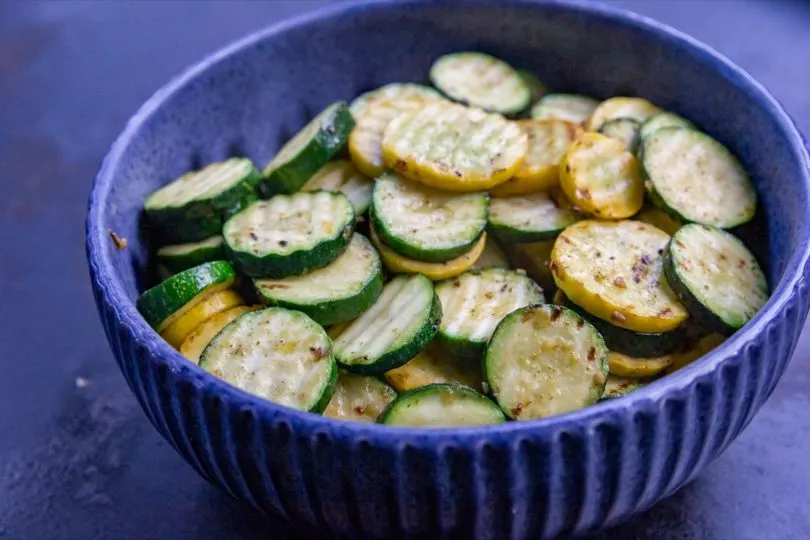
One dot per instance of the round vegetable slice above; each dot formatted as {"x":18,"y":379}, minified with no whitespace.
{"x":566,"y":107}
{"x":624,"y":130}
{"x":289,"y":235}
{"x":475,"y":302}
{"x":361,"y":104}
{"x":621,"y":107}
{"x":206,"y":308}
{"x":193,"y":207}
{"x":602,"y":177}
{"x":703,"y":347}
{"x":336,"y":293}
{"x":696,"y":178}
{"x":194,"y":344}
{"x":614,"y":270}
{"x":425,"y":223}
{"x":492,"y":257}
{"x":179,"y":257}
{"x":716,"y":276}
{"x":343,"y":176}
{"x":434,"y":271}
{"x":442,"y":405}
{"x":662,"y":120}
{"x":276,"y":354}
{"x":536,"y":87}
{"x":655,"y":216}
{"x":431,"y":366}
{"x":308,"y":151}
{"x":454,"y":147}
{"x":630,"y":366}
{"x":365,"y":141}
{"x":533,"y":258}
{"x":164,"y":303}
{"x":358,"y":398}
{"x":395,"y":328}
{"x":480,"y":80}
{"x":528,"y":218}
{"x":545,"y":360}
{"x":548,"y":141}
{"x":617,"y":387}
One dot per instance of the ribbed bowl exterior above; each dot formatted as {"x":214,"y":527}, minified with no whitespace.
{"x":567,"y":475}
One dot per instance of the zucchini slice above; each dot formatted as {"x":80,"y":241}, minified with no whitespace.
{"x":623,"y":365}
{"x":545,"y":360}
{"x":475,"y":302}
{"x":480,"y":80}
{"x":658,"y":218}
{"x":289,"y":235}
{"x":164,"y":303}
{"x":194,"y":344}
{"x":548,"y":141}
{"x":365,"y":141}
{"x":399,"y":264}
{"x":703,"y":347}
{"x":624,"y":130}
{"x":492,"y":257}
{"x":695,"y":178}
{"x":276,"y":354}
{"x":617,"y":386}
{"x":454,"y":147}
{"x":307,"y":151}
{"x":343,"y":176}
{"x":566,"y":107}
{"x":395,"y":328}
{"x":194,"y":207}
{"x":335,"y":293}
{"x":442,"y":405}
{"x":600,"y":176}
{"x":214,"y":303}
{"x":425,"y":223}
{"x":716,"y":276}
{"x":528,"y":218}
{"x":358,"y":398}
{"x":362,"y":103}
{"x":179,"y":257}
{"x":621,"y":107}
{"x":662,"y":120}
{"x":615,"y":271}
{"x":431,"y":366}
{"x":533,"y":258}
{"x":536,"y":87}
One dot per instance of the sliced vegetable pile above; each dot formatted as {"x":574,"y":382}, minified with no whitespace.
{"x":526,"y":253}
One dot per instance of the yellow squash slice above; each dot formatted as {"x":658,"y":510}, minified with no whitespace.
{"x":209,"y":306}
{"x":621,"y":107}
{"x":629,"y":366}
{"x":433,"y":366}
{"x":192,"y":347}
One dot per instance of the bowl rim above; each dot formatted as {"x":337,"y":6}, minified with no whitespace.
{"x":112,"y":293}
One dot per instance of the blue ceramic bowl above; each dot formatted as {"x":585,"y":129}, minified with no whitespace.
{"x":568,"y":474}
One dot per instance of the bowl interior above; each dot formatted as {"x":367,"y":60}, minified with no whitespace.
{"x":252,"y":99}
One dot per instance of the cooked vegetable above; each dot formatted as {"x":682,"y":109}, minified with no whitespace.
{"x":703,"y":347}
{"x":435,"y":271}
{"x":624,"y":130}
{"x":653,"y":215}
{"x":308,"y":151}
{"x":620,"y":107}
{"x":696,"y":178}
{"x":343,"y":176}
{"x":620,"y":386}
{"x":528,"y":218}
{"x":614,"y":270}
{"x":391,"y":91}
{"x":179,"y":257}
{"x":601,"y":177}
{"x":442,"y":405}
{"x":545,"y":360}
{"x":164,"y":303}
{"x":566,"y":107}
{"x":276,"y":354}
{"x":475,"y":302}
{"x":536,"y":87}
{"x":432,"y":365}
{"x":480,"y":80}
{"x":336,"y":293}
{"x":214,"y":303}
{"x":534,"y":259}
{"x":289,"y":235}
{"x":359,"y":398}
{"x":662,"y":120}
{"x":478,"y":151}
{"x":425,"y":223}
{"x":194,"y":344}
{"x":547,"y":141}
{"x":193,"y":207}
{"x":630,"y":366}
{"x":492,"y":257}
{"x":398,"y":325}
{"x":716,"y":276}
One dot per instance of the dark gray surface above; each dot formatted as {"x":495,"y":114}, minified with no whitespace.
{"x":79,"y":460}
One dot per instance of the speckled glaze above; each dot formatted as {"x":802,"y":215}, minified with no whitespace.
{"x":564,"y":475}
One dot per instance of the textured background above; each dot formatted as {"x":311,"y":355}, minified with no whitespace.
{"x":79,"y":460}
